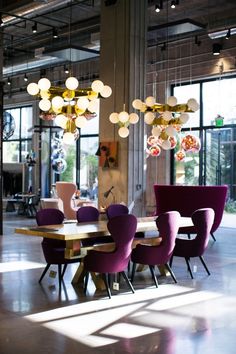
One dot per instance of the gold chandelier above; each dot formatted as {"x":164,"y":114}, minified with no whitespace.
{"x":166,"y":121}
{"x":71,"y":106}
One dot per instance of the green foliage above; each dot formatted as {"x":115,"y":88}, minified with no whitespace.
{"x":230,"y":206}
{"x":68,"y":175}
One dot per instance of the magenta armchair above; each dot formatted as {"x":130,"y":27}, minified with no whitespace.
{"x":167,"y":225}
{"x":53,"y":250}
{"x":187,"y":199}
{"x":122,"y":229}
{"x":202,"y":220}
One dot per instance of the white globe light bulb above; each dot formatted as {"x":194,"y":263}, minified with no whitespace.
{"x":192,"y":104}
{"x":123,"y":132}
{"x":166,"y":145}
{"x":57,"y":102}
{"x":68,"y":138}
{"x":61,"y":121}
{"x":172,"y":101}
{"x":106,"y":91}
{"x":137,"y":104}
{"x":167,"y":116}
{"x":72,"y":83}
{"x":171,"y":131}
{"x":184,"y":117}
{"x":149,"y":117}
{"x":133,"y":118}
{"x":33,"y":89}
{"x":97,"y":86}
{"x":44,"y":105}
{"x":123,"y":117}
{"x":93,"y":106}
{"x":44,"y":84}
{"x":80,"y":121}
{"x":150,"y":101}
{"x":114,"y":118}
{"x":83,"y":103}
{"x":44,"y":94}
{"x":156,"y":131}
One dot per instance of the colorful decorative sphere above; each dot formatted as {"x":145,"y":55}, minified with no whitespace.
{"x":173,"y":142}
{"x":155,"y":150}
{"x":191,"y":143}
{"x":152,"y":140}
{"x":59,"y":165}
{"x":180,"y":155}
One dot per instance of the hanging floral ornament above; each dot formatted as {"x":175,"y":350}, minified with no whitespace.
{"x":180,"y":155}
{"x":191,"y":143}
{"x":166,"y":120}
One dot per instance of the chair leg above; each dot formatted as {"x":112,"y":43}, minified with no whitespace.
{"x":189,"y":236}
{"x":171,"y":260}
{"x":171,"y":272}
{"x":105,"y":278}
{"x":44,"y":272}
{"x":189,"y":267}
{"x":86,"y":278}
{"x":204,"y":265}
{"x":59,"y":275}
{"x":212,"y":235}
{"x":64,"y":269}
{"x":127,"y":281}
{"x":152,"y":270}
{"x":133,"y":272}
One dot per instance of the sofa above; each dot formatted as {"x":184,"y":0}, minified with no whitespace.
{"x":187,"y":199}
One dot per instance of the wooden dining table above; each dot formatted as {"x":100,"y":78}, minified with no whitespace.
{"x":74,"y":233}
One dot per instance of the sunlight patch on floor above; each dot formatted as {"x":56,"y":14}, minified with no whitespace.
{"x":127,"y":330}
{"x":19,"y":265}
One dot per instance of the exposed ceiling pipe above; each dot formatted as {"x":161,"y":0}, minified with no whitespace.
{"x":33,"y":9}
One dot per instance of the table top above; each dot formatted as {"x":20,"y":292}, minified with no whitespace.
{"x":79,"y":231}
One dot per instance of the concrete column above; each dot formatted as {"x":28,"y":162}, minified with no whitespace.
{"x":123,"y":67}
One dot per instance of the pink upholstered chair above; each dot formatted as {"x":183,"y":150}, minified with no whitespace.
{"x":65,"y":191}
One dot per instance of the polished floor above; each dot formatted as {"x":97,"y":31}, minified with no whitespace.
{"x":192,"y":317}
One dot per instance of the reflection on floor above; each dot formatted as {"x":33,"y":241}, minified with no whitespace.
{"x":192,"y":317}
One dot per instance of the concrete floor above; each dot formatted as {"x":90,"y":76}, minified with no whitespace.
{"x":192,"y":317}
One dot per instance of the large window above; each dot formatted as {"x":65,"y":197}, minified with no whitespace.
{"x":216,"y":161}
{"x":81,"y":160}
{"x":19,"y":144}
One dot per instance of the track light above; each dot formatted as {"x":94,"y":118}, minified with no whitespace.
{"x":228,"y":34}
{"x":66,"y":70}
{"x":216,"y":48}
{"x":174,"y":3}
{"x":54,"y":33}
{"x":34,"y":28}
{"x":25,"y":78}
{"x":159,"y":6}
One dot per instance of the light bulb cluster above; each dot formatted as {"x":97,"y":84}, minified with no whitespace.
{"x":70,"y":107}
{"x":166,"y":121}
{"x":123,"y":119}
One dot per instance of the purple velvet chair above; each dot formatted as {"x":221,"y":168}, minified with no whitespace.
{"x":187,"y":199}
{"x":122,"y":229}
{"x":167,"y":225}
{"x":53,"y":250}
{"x":120,"y":209}
{"x":116,"y":210}
{"x":89,"y":214}
{"x":203,"y":220}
